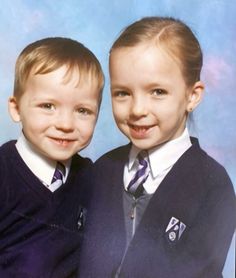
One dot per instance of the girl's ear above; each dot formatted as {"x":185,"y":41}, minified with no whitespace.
{"x":13,"y":109}
{"x":195,"y":96}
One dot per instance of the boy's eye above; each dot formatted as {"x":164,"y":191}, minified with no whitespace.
{"x":84,"y":111}
{"x":48,"y":106}
{"x":158,"y":92}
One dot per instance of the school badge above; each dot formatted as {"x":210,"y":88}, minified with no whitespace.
{"x":175,"y":229}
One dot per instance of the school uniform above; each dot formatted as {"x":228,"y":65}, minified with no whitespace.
{"x":40,"y":227}
{"x":184,"y":227}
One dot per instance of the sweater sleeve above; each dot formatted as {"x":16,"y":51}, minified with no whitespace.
{"x":210,"y":236}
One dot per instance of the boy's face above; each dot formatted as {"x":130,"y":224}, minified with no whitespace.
{"x":149,"y":96}
{"x":58,"y":115}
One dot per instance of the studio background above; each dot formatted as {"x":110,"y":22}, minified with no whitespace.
{"x":97,"y":24}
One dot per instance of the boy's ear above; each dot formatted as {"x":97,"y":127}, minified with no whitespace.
{"x":13,"y":109}
{"x":195,"y":96}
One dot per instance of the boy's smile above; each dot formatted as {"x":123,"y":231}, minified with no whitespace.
{"x":62,"y":142}
{"x":150,"y":98}
{"x":58,"y":114}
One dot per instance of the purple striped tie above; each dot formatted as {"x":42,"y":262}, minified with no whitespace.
{"x":58,"y":174}
{"x":135,"y":187}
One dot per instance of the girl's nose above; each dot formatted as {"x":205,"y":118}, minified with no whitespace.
{"x":139,"y":106}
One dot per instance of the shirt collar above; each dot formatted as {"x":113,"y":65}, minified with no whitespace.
{"x":41,"y":166}
{"x":164,"y":156}
{"x":132,"y":156}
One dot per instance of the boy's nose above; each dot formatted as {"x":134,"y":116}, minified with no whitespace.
{"x":64,"y":121}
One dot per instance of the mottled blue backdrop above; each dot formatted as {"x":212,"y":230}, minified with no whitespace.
{"x":97,"y":24}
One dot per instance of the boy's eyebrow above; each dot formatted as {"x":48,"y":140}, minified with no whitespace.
{"x":43,"y":98}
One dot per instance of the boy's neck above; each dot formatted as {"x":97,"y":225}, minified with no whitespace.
{"x":40,"y":165}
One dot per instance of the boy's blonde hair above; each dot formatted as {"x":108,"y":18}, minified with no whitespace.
{"x":173,"y":36}
{"x":49,"y":54}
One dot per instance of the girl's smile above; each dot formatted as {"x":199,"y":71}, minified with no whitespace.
{"x":140,"y":132}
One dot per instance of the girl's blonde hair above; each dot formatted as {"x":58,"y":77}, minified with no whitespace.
{"x":173,"y":36}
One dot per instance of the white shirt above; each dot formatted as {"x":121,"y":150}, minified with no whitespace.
{"x":161,"y":160}
{"x":42,"y":167}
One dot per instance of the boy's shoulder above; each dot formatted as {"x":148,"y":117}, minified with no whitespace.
{"x":7,"y":146}
{"x":9,"y":161}
{"x":80,"y":160}
{"x":80,"y":165}
{"x":8,"y":152}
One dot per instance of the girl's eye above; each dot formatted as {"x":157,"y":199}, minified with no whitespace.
{"x":120,"y":94}
{"x":159,"y":92}
{"x":48,"y":106}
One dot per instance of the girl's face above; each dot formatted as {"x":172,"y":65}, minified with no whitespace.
{"x":150,"y":98}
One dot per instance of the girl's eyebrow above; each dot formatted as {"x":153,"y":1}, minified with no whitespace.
{"x":118,"y":86}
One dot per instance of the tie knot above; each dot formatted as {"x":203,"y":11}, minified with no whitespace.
{"x":135,"y":186}
{"x":61,"y":168}
{"x":143,"y":159}
{"x":59,"y":172}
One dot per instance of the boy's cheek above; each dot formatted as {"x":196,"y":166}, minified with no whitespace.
{"x":86,"y":129}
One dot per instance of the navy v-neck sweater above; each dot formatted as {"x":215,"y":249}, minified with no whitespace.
{"x":39,"y":232}
{"x":196,"y":193}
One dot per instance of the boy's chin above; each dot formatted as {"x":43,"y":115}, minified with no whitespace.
{"x":60,"y":158}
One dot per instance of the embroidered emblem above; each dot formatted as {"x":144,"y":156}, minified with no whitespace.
{"x":175,"y":229}
{"x":172,"y":236}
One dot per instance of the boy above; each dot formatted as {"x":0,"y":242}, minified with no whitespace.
{"x":57,"y":94}
{"x":162,"y":207}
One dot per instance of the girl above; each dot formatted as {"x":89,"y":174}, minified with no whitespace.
{"x":161,"y":206}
